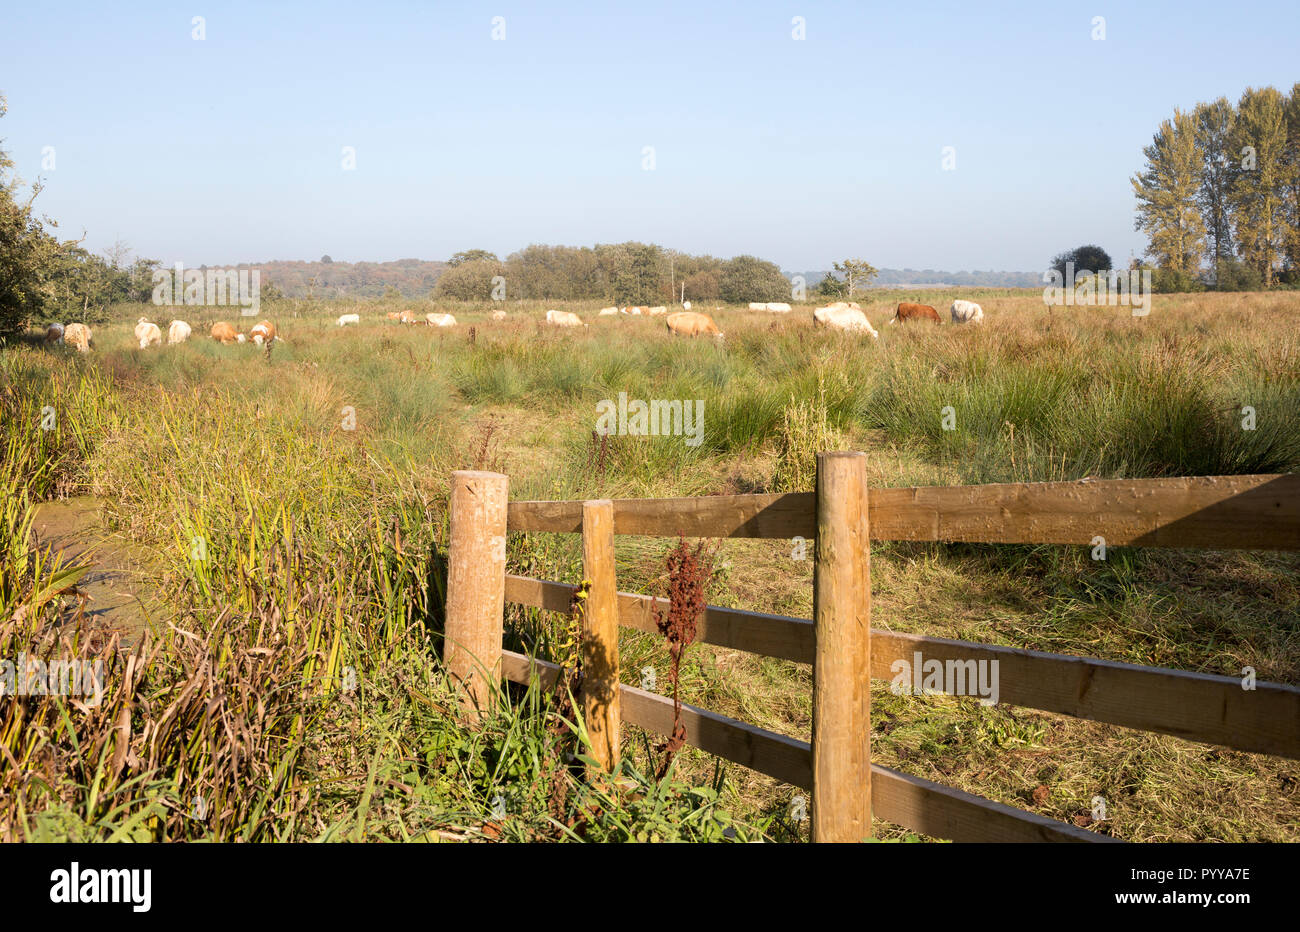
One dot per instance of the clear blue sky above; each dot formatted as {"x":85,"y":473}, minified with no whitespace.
{"x":229,"y":149}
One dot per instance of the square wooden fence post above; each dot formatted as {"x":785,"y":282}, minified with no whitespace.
{"x":600,"y":697}
{"x":476,"y":584}
{"x":841,"y":706}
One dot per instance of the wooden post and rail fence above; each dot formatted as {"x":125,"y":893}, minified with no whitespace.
{"x":843,"y":515}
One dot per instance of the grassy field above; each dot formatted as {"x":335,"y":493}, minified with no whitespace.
{"x":295,"y":502}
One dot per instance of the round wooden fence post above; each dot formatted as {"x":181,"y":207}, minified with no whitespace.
{"x":600,"y":696}
{"x":841,"y":706}
{"x":476,"y":583}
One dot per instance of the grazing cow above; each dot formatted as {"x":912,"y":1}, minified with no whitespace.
{"x":779,"y":307}
{"x":440,"y":320}
{"x":693,"y":324}
{"x":966,"y":312}
{"x":54,"y":333}
{"x":907,"y":311}
{"x":658,"y":311}
{"x":563,"y":319}
{"x":498,"y":315}
{"x":757,"y":306}
{"x":263,"y":332}
{"x":636,"y":310}
{"x":78,"y":335}
{"x":225,"y":333}
{"x":147,"y":333}
{"x":393,"y":315}
{"x":608,"y":312}
{"x":345,"y":319}
{"x":178,"y":332}
{"x":844,"y":318}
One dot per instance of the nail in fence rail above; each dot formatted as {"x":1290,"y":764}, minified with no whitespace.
{"x":1231,"y":512}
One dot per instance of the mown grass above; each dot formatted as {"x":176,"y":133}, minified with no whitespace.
{"x":315,"y":475}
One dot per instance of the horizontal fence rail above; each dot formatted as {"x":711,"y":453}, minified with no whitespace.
{"x":1212,"y":512}
{"x":1196,"y":706}
{"x":912,"y":802}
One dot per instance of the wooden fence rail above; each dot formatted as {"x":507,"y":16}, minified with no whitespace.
{"x":842,"y":516}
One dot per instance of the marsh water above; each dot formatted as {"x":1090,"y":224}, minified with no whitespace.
{"x":117,"y":588}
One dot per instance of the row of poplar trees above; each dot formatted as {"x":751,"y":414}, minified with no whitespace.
{"x":1222,"y":183}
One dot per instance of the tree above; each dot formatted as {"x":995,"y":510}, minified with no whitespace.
{"x":1214,"y":123}
{"x":1291,"y":179}
{"x":468,"y":281}
{"x":747,"y":278}
{"x":704,"y":285}
{"x":1166,"y":192}
{"x":26,"y":251}
{"x":326,"y":260}
{"x":1086,"y":259}
{"x":472,"y":255}
{"x":1259,"y":137}
{"x":857,"y":274}
{"x":831,"y":287}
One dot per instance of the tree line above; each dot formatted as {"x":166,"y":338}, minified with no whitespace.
{"x":1219,"y":195}
{"x":621,"y":273}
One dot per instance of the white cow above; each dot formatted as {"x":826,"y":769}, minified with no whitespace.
{"x":498,"y":315}
{"x":850,"y":319}
{"x":779,"y":307}
{"x":686,"y":305}
{"x":147,"y":333}
{"x":345,"y":319}
{"x":966,"y":312}
{"x":178,"y":332}
{"x":440,"y":320}
{"x":563,"y":319}
{"x":757,"y":306}
{"x":608,"y":312}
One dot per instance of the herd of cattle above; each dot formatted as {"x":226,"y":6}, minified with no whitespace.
{"x":149,"y":334}
{"x":842,"y":315}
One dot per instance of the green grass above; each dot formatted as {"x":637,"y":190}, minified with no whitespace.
{"x":323,"y":532}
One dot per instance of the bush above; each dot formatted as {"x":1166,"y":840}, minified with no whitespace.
{"x":469,"y":281}
{"x":1169,"y":281}
{"x":1234,"y":275}
{"x":746,"y":278}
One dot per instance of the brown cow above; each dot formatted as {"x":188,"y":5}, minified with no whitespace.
{"x":263,"y":332}
{"x":692,"y":324}
{"x":226,"y":333}
{"x":907,"y":311}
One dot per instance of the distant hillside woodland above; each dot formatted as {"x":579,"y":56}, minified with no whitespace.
{"x":1219,"y":196}
{"x":627,"y":273}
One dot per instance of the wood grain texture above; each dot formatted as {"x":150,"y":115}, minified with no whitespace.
{"x":1215,"y":512}
{"x":476,"y":568}
{"x":600,"y":695}
{"x":841,"y":695}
